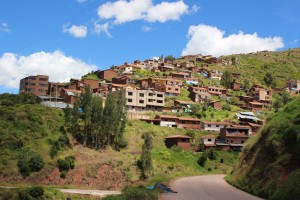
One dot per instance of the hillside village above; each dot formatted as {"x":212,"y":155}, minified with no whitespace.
{"x":177,"y":93}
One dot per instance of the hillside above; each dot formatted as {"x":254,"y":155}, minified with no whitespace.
{"x":270,"y":164}
{"x":28,"y":130}
{"x":283,"y":65}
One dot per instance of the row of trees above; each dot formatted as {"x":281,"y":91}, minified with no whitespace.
{"x":96,"y":126}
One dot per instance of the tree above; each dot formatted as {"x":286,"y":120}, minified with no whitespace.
{"x":145,"y":162}
{"x":86,"y":102}
{"x":269,"y":79}
{"x":36,"y":163}
{"x":246,"y":84}
{"x":286,"y":97}
{"x":226,"y":79}
{"x":202,"y":159}
{"x":169,"y":58}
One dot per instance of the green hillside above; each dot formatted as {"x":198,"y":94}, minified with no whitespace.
{"x":283,"y":65}
{"x":270,"y":164}
{"x":30,"y":133}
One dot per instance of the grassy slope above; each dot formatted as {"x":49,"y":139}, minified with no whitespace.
{"x":269,"y":165}
{"x":24,"y":130}
{"x":283,"y":65}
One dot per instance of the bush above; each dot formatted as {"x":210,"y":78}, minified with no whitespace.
{"x":36,"y":163}
{"x":24,"y":195}
{"x":176,"y":149}
{"x":71,"y":160}
{"x":63,"y":174}
{"x":226,"y":107}
{"x":63,"y":165}
{"x":211,"y":154}
{"x":24,"y":168}
{"x":36,"y":191}
{"x":202,"y":159}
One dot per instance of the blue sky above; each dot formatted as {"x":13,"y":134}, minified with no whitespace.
{"x":68,"y":38}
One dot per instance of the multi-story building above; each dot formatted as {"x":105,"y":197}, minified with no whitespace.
{"x":169,"y":90}
{"x":37,"y":85}
{"x":259,"y":93}
{"x":144,"y":100}
{"x":235,"y":135}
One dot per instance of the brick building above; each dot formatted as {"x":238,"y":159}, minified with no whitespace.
{"x":37,"y":85}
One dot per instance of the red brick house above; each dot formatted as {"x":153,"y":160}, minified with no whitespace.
{"x":69,"y":96}
{"x":255,"y":106}
{"x":106,"y":74}
{"x":91,"y":82}
{"x":188,"y":123}
{"x":182,"y":141}
{"x":235,"y":86}
{"x":216,"y":105}
{"x":235,"y":134}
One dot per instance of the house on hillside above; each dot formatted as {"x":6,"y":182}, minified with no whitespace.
{"x":106,"y":74}
{"x":181,"y":141}
{"x":235,"y":136}
{"x":216,"y":105}
{"x":235,"y":86}
{"x":213,"y":126}
{"x":207,"y":142}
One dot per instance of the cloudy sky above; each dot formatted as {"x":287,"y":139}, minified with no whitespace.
{"x":68,"y":38}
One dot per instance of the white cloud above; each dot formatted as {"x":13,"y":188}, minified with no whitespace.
{"x":167,"y":11}
{"x":58,"y":66}
{"x":206,"y":40}
{"x":123,"y":11}
{"x":76,"y":31}
{"x":98,"y":28}
{"x":195,"y":8}
{"x":4,"y":28}
{"x":146,"y":28}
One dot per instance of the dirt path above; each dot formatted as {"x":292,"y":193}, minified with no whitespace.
{"x":208,"y":187}
{"x":101,"y":193}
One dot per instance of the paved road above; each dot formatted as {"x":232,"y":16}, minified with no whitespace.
{"x":208,"y":187}
{"x":101,"y":193}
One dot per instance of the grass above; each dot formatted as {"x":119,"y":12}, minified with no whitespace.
{"x":270,"y":162}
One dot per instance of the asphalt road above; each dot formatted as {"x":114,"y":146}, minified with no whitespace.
{"x":208,"y":187}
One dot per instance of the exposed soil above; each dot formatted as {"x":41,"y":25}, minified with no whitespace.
{"x":92,"y":170}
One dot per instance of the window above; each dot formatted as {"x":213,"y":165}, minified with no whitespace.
{"x":159,"y":95}
{"x":150,"y":94}
{"x":159,"y":101}
{"x":141,"y":94}
{"x":209,"y":140}
{"x":209,"y":125}
{"x":231,"y":141}
{"x":242,"y":141}
{"x":33,"y":84}
{"x":183,"y":140}
{"x":217,"y":126}
{"x":151,"y":100}
{"x":130,"y":93}
{"x":43,"y":79}
{"x":169,"y":88}
{"x":176,"y":89}
{"x":129,"y":100}
{"x":141,"y":101}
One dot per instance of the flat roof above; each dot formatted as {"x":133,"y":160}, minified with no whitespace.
{"x":179,"y":136}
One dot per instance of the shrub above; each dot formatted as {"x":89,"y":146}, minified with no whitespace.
{"x":63,"y":165}
{"x":226,"y":107}
{"x":36,"y":163}
{"x":71,"y":160}
{"x":202,"y":159}
{"x":24,"y":195}
{"x":176,"y":149}
{"x":36,"y":191}
{"x":211,"y":154}
{"x":63,"y":174}
{"x":24,"y":168}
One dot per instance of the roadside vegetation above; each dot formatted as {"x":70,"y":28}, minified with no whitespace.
{"x":269,"y":164}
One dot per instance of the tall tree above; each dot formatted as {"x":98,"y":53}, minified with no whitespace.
{"x":226,"y":79}
{"x":86,"y":103}
{"x":145,"y":163}
{"x":96,"y":125}
{"x":75,"y":120}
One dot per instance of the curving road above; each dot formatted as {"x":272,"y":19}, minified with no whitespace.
{"x":208,"y":187}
